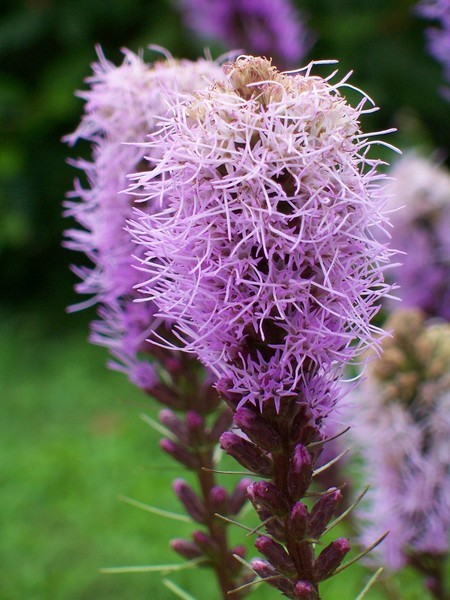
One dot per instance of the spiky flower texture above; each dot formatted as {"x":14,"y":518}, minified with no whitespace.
{"x":266,"y":257}
{"x":402,"y":423}
{"x":123,"y":105}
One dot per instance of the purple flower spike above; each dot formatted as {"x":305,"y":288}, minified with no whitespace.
{"x":419,"y":196}
{"x":402,"y":428}
{"x":190,"y":500}
{"x":123,"y":106}
{"x":264,"y":494}
{"x":265,"y":258}
{"x":298,"y":521}
{"x":247,"y":454}
{"x":276,"y":555}
{"x":267,"y":27}
{"x":300,"y":472}
{"x":322,"y":512}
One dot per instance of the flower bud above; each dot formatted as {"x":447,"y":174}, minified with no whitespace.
{"x":265,"y":570}
{"x":191,"y":502}
{"x":238,"y":496}
{"x":258,"y":430}
{"x":218,"y":500}
{"x":322,"y":512}
{"x":247,"y":454}
{"x":298,"y":521}
{"x":300,"y":472}
{"x":265,"y":494}
{"x":276,"y":555}
{"x":180,"y":454}
{"x":186,"y":549}
{"x":222,"y":424}
{"x":330,"y":558}
{"x":174,"y":424}
{"x":206,"y":544}
{"x":303,"y":590}
{"x":196,"y":427}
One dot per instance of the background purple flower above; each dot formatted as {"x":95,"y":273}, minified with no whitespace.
{"x":421,"y":230}
{"x":265,"y":256}
{"x":438,"y":37}
{"x":402,"y":426}
{"x":123,"y":105}
{"x":271,"y":28}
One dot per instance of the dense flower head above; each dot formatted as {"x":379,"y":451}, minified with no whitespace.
{"x":439,"y":36}
{"x":421,"y":230}
{"x":122,"y":106}
{"x":402,"y":424}
{"x":265,"y":256}
{"x":267,"y":27}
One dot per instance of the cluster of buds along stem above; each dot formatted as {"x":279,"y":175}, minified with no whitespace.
{"x":282,"y":447}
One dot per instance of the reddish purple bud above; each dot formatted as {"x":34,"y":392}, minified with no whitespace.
{"x":164,"y":395}
{"x":257,"y":429}
{"x":180,"y":454}
{"x":276,"y":555}
{"x":300,"y":472}
{"x":191,"y":502}
{"x":330,"y":558}
{"x":206,"y":544}
{"x":238,"y":496}
{"x":247,"y":454}
{"x":298,"y":521}
{"x":266,"y":495}
{"x":186,"y":549}
{"x":234,"y":565}
{"x":218,"y":500}
{"x":174,"y":424}
{"x":196,"y":427}
{"x":265,"y":570}
{"x":322,"y":512}
{"x":303,"y":590}
{"x":222,"y":424}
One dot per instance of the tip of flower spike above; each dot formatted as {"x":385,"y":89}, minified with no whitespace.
{"x":247,"y":72}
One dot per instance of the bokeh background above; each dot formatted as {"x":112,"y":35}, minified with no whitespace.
{"x":72,"y":439}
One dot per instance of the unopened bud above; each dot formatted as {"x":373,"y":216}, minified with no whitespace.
{"x":206,"y":544}
{"x":322,"y":512}
{"x":303,"y":590}
{"x":276,"y":555}
{"x":218,"y":500}
{"x":300,"y":472}
{"x":257,"y":429}
{"x":298,"y":521}
{"x":265,"y":494}
{"x":238,"y":496}
{"x":180,"y":454}
{"x":222,"y":424}
{"x":196,"y":427}
{"x":247,"y":454}
{"x":186,"y":549}
{"x":191,"y":502}
{"x":265,"y":571}
{"x":330,"y":558}
{"x":174,"y":424}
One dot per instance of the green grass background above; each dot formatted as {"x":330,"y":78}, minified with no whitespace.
{"x":72,"y":442}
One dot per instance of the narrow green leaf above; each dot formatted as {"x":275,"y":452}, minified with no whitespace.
{"x":157,"y":511}
{"x":227,"y":520}
{"x":248,"y":473}
{"x":179,"y":592}
{"x":334,"y":437}
{"x":347,"y":511}
{"x":330,"y":463}
{"x":157,"y":426}
{"x":370,"y":584}
{"x":360,"y":555}
{"x":154,"y":568}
